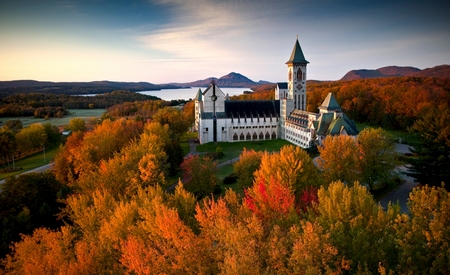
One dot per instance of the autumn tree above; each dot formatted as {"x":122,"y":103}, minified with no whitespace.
{"x":249,"y":161}
{"x":76,"y":124}
{"x":177,"y":121}
{"x":292,"y":167}
{"x":378,"y":157}
{"x":357,"y":226}
{"x":199,"y":175}
{"x":423,"y":236}
{"x":339,"y":159}
{"x":270,"y":201}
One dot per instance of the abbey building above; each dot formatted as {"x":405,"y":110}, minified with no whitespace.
{"x":219,"y":119}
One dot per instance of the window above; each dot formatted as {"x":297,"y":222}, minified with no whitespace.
{"x":248,"y":136}
{"x":206,"y":129}
{"x":261,"y":136}
{"x":235,"y":136}
{"x":255,"y":136}
{"x":241,"y":137}
{"x":223,"y":129}
{"x":299,"y":74}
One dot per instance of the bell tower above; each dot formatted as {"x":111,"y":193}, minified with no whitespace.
{"x":297,"y":78}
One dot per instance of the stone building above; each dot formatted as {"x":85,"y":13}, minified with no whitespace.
{"x":219,"y":119}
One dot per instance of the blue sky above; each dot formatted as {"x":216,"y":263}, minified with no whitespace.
{"x":161,"y":41}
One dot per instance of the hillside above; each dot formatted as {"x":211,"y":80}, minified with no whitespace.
{"x":390,"y":71}
{"x":72,"y":88}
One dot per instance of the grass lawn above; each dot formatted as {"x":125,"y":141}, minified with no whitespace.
{"x":74,"y":113}
{"x":31,"y":162}
{"x":234,"y":149}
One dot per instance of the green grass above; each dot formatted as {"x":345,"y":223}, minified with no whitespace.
{"x":31,"y":162}
{"x":234,"y":149}
{"x":74,"y":113}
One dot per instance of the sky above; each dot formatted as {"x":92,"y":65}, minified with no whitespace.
{"x":163,"y":41}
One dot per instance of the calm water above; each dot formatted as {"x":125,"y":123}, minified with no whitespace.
{"x":189,"y":93}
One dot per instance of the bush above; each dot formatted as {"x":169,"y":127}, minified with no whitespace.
{"x":230,"y":179}
{"x":217,"y":190}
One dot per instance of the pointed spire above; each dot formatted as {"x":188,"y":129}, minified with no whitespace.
{"x":297,"y":55}
{"x":198,"y":97}
{"x":330,"y":103}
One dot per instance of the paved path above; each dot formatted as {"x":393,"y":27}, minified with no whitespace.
{"x":35,"y":170}
{"x":401,"y":194}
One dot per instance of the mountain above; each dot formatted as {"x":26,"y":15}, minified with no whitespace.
{"x":438,"y":71}
{"x":232,"y":79}
{"x":390,"y":71}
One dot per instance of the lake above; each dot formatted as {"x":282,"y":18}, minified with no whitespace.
{"x":189,"y":93}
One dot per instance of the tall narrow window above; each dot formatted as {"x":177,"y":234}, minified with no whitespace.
{"x":299,"y":74}
{"x":303,"y":102}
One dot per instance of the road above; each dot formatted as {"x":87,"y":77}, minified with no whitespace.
{"x":36,"y":170}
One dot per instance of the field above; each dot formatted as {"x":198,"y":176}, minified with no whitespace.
{"x":74,"y":113}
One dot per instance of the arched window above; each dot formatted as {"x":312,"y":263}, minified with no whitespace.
{"x":241,"y":137}
{"x":261,"y":136}
{"x":255,"y":136}
{"x":248,"y":137}
{"x":299,"y":74}
{"x":235,"y":136}
{"x":267,"y":135}
{"x":274,"y":136}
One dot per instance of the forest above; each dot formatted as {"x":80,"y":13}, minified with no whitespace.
{"x":106,"y":208}
{"x":54,"y":105}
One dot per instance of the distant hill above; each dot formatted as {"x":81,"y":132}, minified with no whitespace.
{"x":95,"y":87}
{"x":232,"y":79}
{"x":390,"y":71}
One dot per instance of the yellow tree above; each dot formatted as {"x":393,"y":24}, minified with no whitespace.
{"x":357,"y":226}
{"x":291,"y":167}
{"x":339,"y":159}
{"x":423,"y":236}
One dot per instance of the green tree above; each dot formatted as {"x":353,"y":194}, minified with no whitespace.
{"x":31,"y":138}
{"x":77,"y":124}
{"x":28,"y":201}
{"x":8,"y":144}
{"x":249,"y":162}
{"x":378,"y":157}
{"x":199,"y":175}
{"x":431,"y":166}
{"x":53,"y":134}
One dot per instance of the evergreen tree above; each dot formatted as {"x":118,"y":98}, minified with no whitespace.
{"x":433,"y":149}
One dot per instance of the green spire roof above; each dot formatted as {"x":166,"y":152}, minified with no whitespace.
{"x":330,"y":103}
{"x":198,"y":97}
{"x":297,"y":55}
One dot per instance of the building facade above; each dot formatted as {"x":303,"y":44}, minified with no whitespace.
{"x":219,"y":119}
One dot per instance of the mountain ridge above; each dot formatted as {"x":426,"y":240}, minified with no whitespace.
{"x":396,"y":71}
